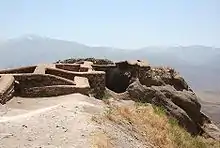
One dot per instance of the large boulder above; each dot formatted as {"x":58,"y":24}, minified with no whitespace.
{"x":6,"y":88}
{"x":157,"y":76}
{"x":182,"y":105}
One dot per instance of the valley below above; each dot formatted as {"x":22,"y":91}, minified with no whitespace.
{"x":210,"y":102}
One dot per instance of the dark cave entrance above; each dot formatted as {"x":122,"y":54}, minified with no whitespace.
{"x":117,"y":80}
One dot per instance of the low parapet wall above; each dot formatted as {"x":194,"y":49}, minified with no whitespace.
{"x":55,"y":90}
{"x":69,"y":67}
{"x":49,"y":90}
{"x":40,"y":85}
{"x":96,"y":79}
{"x":6,"y":88}
{"x":25,"y":81}
{"x":29,"y":69}
{"x":39,"y":80}
{"x":103,"y":67}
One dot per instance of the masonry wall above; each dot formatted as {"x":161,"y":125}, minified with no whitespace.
{"x":69,"y":67}
{"x":55,"y":90}
{"x":96,"y":79}
{"x":29,"y":69}
{"x":39,"y":85}
{"x":83,"y":69}
{"x":103,"y":67}
{"x":25,"y":81}
{"x":38,"y":80}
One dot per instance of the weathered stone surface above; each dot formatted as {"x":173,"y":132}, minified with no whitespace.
{"x":86,"y":66}
{"x":40,"y":69}
{"x":81,"y":82}
{"x":211,"y":130}
{"x":158,"y":96}
{"x":6,"y":88}
{"x":157,"y":76}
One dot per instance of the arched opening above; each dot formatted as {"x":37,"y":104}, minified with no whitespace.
{"x":117,"y":80}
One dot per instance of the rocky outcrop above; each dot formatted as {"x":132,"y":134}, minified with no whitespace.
{"x":164,"y":87}
{"x":158,"y":76}
{"x":182,"y":105}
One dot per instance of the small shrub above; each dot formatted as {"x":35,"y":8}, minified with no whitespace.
{"x":159,"y":110}
{"x":106,"y":96}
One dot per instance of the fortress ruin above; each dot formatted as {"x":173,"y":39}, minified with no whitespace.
{"x":135,"y":80}
{"x":85,"y":77}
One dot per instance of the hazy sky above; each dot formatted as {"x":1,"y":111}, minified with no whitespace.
{"x":118,"y":23}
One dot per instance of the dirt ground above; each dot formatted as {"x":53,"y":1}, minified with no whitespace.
{"x":59,"y":122}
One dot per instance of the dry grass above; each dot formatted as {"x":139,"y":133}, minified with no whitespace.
{"x":101,"y":140}
{"x":156,"y":128}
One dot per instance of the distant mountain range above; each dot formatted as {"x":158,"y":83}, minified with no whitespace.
{"x":200,"y":65}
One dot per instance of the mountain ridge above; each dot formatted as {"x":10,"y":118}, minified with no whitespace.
{"x":194,"y":62}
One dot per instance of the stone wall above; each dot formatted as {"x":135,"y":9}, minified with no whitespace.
{"x":40,"y":85}
{"x":39,"y":80}
{"x":29,"y":69}
{"x":96,"y":79}
{"x":83,"y":69}
{"x":103,"y":67}
{"x":70,"y":67}
{"x":25,"y":81}
{"x":55,"y":90}
{"x":6,"y":88}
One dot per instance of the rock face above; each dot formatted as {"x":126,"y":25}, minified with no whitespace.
{"x":6,"y":88}
{"x":160,"y":86}
{"x":166,"y":88}
{"x":181,"y":105}
{"x":162,"y":76}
